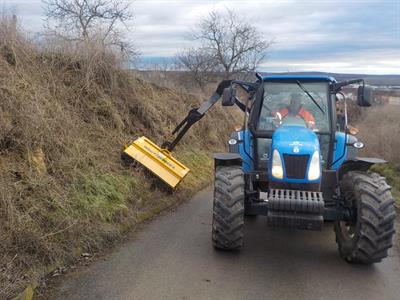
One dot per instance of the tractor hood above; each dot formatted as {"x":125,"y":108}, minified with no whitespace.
{"x":292,"y":139}
{"x":295,"y":155}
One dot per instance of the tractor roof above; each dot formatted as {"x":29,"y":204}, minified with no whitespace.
{"x":299,"y":77}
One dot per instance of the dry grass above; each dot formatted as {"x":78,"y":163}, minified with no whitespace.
{"x":65,"y":113}
{"x":380,"y":131}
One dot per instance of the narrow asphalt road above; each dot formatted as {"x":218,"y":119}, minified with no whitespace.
{"x":172,"y":258}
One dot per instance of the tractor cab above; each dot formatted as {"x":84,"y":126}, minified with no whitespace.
{"x":291,"y":124}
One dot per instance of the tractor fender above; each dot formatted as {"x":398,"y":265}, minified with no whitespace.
{"x":358,"y":164}
{"x":234,"y":148}
{"x":227,"y":159}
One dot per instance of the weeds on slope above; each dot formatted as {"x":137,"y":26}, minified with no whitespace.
{"x":65,"y":112}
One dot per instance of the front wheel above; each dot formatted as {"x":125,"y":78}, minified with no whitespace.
{"x":368,"y":237}
{"x":228,"y":210}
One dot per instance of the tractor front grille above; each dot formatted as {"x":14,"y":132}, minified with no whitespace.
{"x":296,"y":165}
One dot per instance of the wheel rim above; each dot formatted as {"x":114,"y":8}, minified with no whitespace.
{"x":348,"y":229}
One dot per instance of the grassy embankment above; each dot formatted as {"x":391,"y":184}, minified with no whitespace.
{"x":65,"y":113}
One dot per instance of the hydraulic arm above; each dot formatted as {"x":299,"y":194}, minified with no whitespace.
{"x":195,"y":115}
{"x":159,"y":160}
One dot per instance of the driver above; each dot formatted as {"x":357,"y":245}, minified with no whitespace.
{"x":296,"y":109}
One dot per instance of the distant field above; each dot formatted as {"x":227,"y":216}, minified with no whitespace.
{"x":378,"y":80}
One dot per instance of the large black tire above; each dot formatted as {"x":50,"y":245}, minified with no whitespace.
{"x":367,"y":239}
{"x":228,"y":210}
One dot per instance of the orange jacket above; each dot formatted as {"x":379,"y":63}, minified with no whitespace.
{"x":303,"y":113}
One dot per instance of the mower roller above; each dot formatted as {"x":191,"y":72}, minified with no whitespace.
{"x":294,"y":161}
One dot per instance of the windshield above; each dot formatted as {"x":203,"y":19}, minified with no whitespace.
{"x":300,"y":104}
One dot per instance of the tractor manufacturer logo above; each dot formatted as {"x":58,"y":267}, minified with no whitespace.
{"x":296,"y":146}
{"x":296,"y":143}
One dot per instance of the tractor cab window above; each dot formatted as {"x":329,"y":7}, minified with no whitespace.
{"x":295,"y":103}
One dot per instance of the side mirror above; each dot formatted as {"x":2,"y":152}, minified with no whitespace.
{"x":229,"y":96}
{"x":365,"y":96}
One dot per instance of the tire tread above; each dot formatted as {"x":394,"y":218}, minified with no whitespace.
{"x":228,"y":211}
{"x":375,"y":220}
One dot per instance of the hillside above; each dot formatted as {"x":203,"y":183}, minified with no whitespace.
{"x":64,"y":117}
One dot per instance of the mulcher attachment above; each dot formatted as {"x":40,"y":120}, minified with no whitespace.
{"x":159,"y":160}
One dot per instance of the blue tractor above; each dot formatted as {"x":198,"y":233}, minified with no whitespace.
{"x":294,"y":160}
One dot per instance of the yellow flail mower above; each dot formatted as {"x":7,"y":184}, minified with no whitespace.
{"x":159,"y":160}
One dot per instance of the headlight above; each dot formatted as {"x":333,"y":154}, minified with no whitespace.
{"x":277,"y":170}
{"x":358,"y":145}
{"x":314,"y":172}
{"x":232,"y":142}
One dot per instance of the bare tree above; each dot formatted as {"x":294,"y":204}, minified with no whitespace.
{"x":199,"y":63}
{"x":90,"y":19}
{"x":227,"y":43}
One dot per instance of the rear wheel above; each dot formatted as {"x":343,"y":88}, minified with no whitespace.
{"x":228,"y":210}
{"x":369,"y":236}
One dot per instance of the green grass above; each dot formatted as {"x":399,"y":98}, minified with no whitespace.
{"x":103,"y":196}
{"x":201,"y":168}
{"x":392,"y":173}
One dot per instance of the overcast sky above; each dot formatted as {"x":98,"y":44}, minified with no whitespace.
{"x":353,"y":36}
